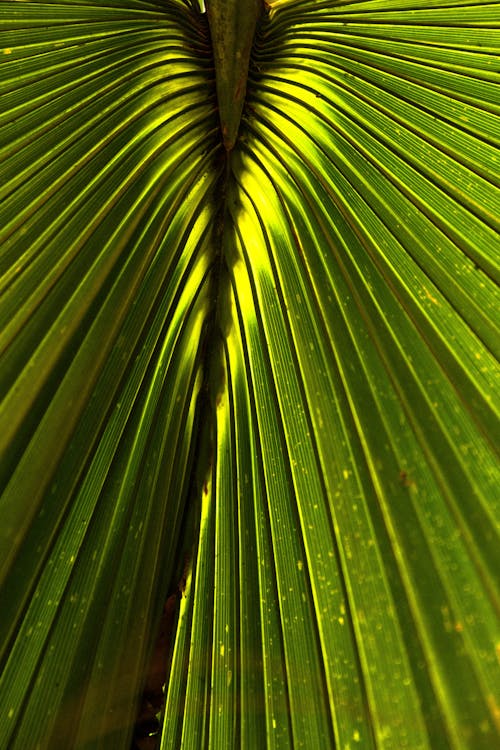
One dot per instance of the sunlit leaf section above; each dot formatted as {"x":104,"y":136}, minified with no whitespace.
{"x":376,"y":305}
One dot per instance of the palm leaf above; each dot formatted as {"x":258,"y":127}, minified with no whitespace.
{"x":278,"y":361}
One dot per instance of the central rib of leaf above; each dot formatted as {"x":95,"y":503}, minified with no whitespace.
{"x":232,"y":29}
{"x":232,"y":26}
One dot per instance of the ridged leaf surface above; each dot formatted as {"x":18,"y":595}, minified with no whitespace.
{"x":270,"y":375}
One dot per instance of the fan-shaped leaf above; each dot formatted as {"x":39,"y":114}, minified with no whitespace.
{"x":275,"y":361}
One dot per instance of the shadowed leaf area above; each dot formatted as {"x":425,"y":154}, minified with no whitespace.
{"x":249,"y":375}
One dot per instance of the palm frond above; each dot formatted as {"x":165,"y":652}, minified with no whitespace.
{"x":284,"y":358}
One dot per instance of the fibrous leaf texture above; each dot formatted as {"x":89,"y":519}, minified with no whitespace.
{"x":260,"y":361}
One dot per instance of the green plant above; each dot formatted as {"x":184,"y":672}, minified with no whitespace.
{"x":273,"y":359}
